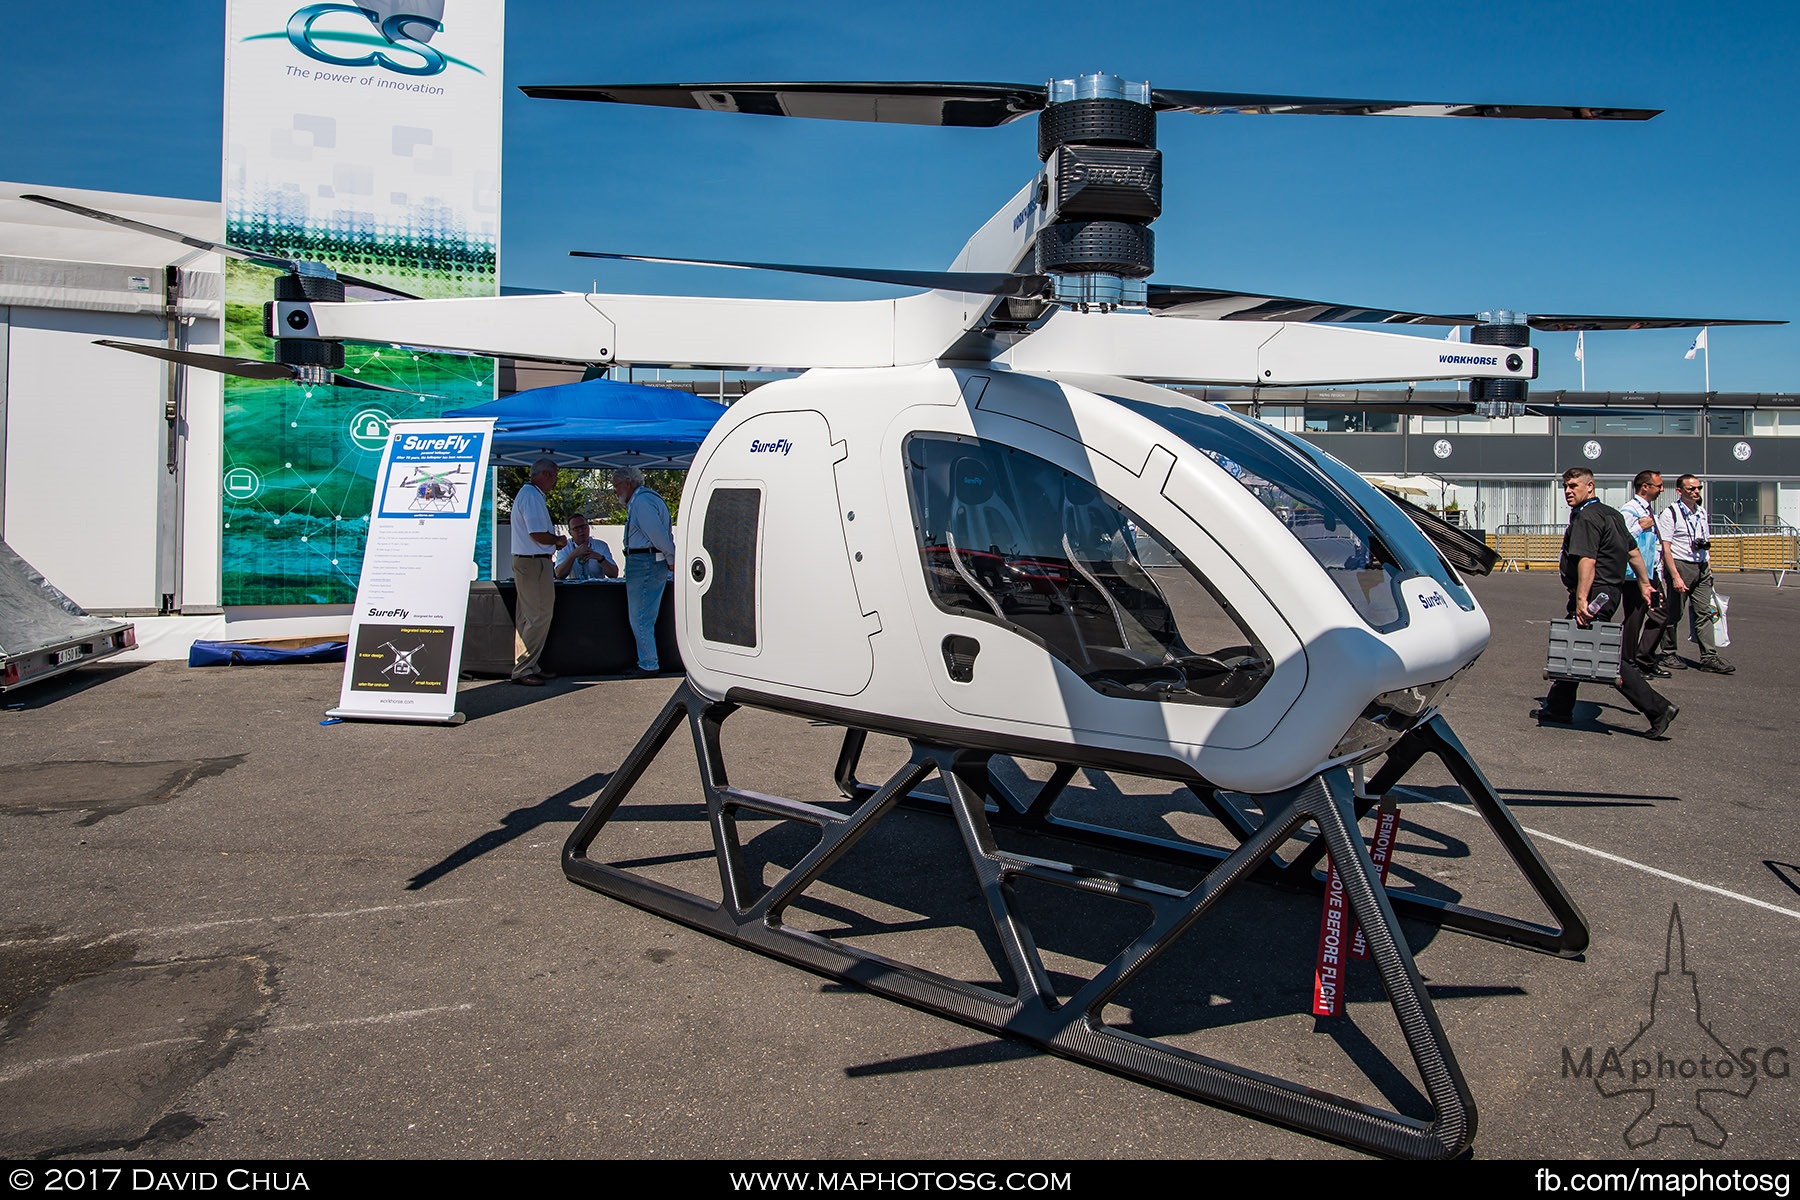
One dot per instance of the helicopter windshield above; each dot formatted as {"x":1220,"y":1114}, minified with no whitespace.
{"x":1010,"y":538}
{"x":1363,"y":542}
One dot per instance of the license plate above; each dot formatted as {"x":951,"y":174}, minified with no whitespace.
{"x":69,"y":655}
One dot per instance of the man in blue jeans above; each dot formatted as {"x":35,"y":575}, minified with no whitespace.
{"x":649,"y":552}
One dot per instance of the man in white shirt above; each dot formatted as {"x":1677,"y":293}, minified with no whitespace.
{"x":1687,"y":545}
{"x":649,"y":551}
{"x":585,"y":557}
{"x":534,"y":541}
{"x":1640,"y":521}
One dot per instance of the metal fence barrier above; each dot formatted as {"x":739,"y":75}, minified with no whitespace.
{"x":1774,"y":548}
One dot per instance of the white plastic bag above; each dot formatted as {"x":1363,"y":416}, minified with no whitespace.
{"x":1721,"y":636}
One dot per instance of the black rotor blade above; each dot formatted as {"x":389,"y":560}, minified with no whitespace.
{"x":1208,"y":103}
{"x":1215,"y":305}
{"x":1211,"y":304}
{"x":266,"y":260}
{"x":1569,"y":324}
{"x":244,"y":368}
{"x":974,"y":105}
{"x":94,"y":214}
{"x":990,"y":283}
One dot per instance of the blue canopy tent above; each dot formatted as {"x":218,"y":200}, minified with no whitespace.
{"x":598,"y":423}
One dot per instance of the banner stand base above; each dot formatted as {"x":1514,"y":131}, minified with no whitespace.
{"x":346,"y":714}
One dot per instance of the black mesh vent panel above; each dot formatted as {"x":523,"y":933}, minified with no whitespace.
{"x":728,"y":609}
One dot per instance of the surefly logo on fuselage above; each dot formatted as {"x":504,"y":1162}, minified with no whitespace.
{"x":779,"y":446}
{"x":357,"y":35}
{"x":1470,"y":360}
{"x":1433,"y":600}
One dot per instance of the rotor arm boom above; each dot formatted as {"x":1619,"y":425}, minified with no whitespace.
{"x":676,"y":331}
{"x":1253,"y":354}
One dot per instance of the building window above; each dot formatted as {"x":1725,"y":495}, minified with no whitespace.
{"x":1342,"y":420}
{"x":1725,"y":424}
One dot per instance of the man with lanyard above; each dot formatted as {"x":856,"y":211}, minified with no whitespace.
{"x":1687,"y":543}
{"x":534,"y":542}
{"x":1640,"y":521}
{"x":649,"y":551}
{"x":1596,"y":550}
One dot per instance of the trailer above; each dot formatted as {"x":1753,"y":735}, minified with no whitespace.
{"x":43,"y":633}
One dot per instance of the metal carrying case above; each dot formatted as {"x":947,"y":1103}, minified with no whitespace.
{"x":1588,"y":655}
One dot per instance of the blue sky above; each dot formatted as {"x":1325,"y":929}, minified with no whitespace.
{"x":1692,"y":213}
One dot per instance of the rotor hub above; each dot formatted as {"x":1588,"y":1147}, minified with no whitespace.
{"x":1501,"y":327}
{"x":1103,"y":188}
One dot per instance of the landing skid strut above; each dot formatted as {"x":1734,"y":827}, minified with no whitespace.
{"x":752,"y":915}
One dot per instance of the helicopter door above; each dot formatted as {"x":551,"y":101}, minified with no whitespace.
{"x":767,"y":594}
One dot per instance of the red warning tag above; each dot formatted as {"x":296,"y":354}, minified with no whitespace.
{"x":1381,"y":853}
{"x":1339,"y":939}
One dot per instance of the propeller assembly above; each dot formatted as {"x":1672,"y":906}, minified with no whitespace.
{"x":254,"y":368}
{"x":1101,"y":188}
{"x":312,"y":361}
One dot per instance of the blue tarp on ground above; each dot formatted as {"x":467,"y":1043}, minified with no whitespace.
{"x":599,"y":423}
{"x":233,"y":654}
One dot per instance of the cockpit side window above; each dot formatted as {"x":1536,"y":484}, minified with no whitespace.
{"x":1012,"y":539}
{"x":1364,"y":545}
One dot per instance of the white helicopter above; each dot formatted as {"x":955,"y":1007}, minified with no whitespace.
{"x":974,"y":523}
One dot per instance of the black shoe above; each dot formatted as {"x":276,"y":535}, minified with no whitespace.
{"x":1716,"y":665}
{"x":1544,"y":714}
{"x":529,"y":680}
{"x":1656,"y":670}
{"x":1659,"y":724}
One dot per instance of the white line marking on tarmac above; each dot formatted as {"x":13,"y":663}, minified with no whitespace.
{"x":76,"y":1060}
{"x":380,"y":1019}
{"x":164,"y":930}
{"x":1469,"y":810}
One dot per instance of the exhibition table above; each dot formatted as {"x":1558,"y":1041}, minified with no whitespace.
{"x":590,"y":633}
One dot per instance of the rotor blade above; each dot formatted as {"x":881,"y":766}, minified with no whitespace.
{"x":246,"y":368}
{"x":1208,"y":103}
{"x":255,"y":256}
{"x":1569,"y":324}
{"x":94,"y":214}
{"x":1211,"y":304}
{"x":975,"y":105}
{"x":339,"y":379}
{"x":991,"y":283}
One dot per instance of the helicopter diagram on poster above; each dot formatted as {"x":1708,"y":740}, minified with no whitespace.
{"x":430,"y":475}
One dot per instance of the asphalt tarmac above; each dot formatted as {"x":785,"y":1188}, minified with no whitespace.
{"x":230,"y":931}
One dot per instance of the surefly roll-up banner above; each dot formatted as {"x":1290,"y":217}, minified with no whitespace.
{"x":406,"y":630}
{"x":364,"y":136}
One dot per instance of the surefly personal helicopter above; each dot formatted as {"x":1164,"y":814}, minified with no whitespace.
{"x":436,"y":489}
{"x":974,"y":524}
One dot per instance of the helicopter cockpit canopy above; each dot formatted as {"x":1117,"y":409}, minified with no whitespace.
{"x":1361,"y":540}
{"x":1012,"y":539}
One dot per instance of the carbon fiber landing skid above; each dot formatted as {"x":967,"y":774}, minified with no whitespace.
{"x":1566,"y":939}
{"x":752,"y":915}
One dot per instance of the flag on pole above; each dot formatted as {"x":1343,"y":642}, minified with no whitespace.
{"x":1579,"y":345}
{"x":1699,"y":344}
{"x":1455,"y":334}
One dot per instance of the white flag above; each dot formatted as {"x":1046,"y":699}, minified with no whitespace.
{"x":1578,"y":346}
{"x":1699,"y":343}
{"x":1455,"y":334}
